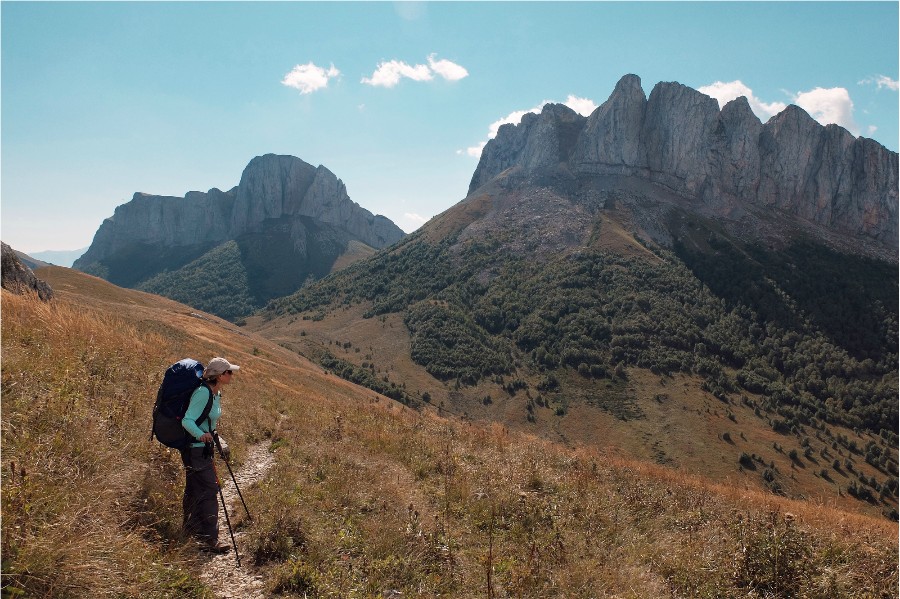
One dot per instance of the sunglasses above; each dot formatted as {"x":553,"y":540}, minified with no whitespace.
{"x":228,"y":372}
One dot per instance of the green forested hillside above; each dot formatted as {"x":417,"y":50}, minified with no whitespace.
{"x":217,"y":282}
{"x":813,"y":331}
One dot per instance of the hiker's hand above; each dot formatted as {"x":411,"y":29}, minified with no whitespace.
{"x":206,"y":438}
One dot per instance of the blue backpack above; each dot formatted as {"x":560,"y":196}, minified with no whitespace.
{"x":172,"y":400}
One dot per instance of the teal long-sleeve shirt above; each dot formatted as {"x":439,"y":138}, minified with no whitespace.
{"x":195,"y":409}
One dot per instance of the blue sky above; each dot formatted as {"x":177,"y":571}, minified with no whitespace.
{"x":102,"y":100}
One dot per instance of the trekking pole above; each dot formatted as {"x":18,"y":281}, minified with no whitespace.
{"x":225,"y":509}
{"x":224,"y":459}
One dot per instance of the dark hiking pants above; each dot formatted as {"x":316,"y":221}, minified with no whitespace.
{"x":201,"y":501}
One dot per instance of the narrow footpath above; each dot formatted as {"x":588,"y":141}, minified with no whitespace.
{"x":221,"y":572}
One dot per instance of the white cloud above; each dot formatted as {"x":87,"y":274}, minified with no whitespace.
{"x":309,"y":78}
{"x":411,"y":221}
{"x":447,"y":69}
{"x":827,"y":106}
{"x":726,"y":92}
{"x":409,"y":10}
{"x":389,"y":73}
{"x":475,"y":151}
{"x":882,"y":81}
{"x":582,"y":106}
{"x":872,"y":129}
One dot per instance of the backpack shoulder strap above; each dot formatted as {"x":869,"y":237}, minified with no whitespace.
{"x":208,"y":408}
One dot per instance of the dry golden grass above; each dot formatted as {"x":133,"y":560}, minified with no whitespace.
{"x":366,"y":496}
{"x":458,"y":217}
{"x":681,"y":425}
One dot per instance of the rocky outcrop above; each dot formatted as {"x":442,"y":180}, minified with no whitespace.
{"x":679,"y":138}
{"x":229,"y":252}
{"x":271,"y":188}
{"x":18,"y":278}
{"x":539,"y":142}
{"x":612,"y":134}
{"x":275,"y":186}
{"x":165,"y":221}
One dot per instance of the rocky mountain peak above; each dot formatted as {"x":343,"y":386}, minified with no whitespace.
{"x":612,"y":133}
{"x":539,"y":142}
{"x":291,"y":221}
{"x":271,"y":187}
{"x":274,"y":186}
{"x":723,"y":160}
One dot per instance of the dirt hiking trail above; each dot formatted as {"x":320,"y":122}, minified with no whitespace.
{"x":221,"y":572}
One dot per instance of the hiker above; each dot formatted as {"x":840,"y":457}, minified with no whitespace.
{"x":200,"y":504}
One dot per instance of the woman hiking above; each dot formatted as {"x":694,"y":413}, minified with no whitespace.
{"x":200,"y":504}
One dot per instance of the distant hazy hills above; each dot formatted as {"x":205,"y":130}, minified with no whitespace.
{"x":228,"y":253}
{"x":659,"y":262}
{"x":59,"y":258}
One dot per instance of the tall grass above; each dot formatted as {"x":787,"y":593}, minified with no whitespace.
{"x":73,"y":458}
{"x":392,"y":500}
{"x":366,"y":498}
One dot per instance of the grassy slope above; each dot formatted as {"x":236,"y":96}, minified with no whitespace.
{"x":366,"y":496}
{"x":673,"y":421}
{"x":680,"y":425}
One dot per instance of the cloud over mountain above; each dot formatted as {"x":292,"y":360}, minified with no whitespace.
{"x":726,"y":92}
{"x":583,"y":106}
{"x":829,"y":106}
{"x":832,"y":105}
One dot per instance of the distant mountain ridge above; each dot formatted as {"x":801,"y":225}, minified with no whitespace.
{"x":291,"y":222}
{"x":682,"y":283}
{"x":59,"y":257}
{"x":726,"y":160}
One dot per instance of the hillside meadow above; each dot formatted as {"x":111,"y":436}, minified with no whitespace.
{"x":720,"y":358}
{"x":367,"y":498}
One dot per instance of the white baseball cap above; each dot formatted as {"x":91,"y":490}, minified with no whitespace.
{"x":218,"y":366}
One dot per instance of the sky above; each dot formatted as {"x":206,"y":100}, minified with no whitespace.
{"x":99,"y":100}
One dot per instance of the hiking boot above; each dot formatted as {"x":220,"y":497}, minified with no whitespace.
{"x":215,"y":547}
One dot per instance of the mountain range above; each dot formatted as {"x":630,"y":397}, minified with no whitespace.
{"x":620,"y":367}
{"x":229,"y":252}
{"x":656,"y":277}
{"x":726,"y":163}
{"x":59,"y":257}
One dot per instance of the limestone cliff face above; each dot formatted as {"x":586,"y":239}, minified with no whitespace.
{"x":196,"y":219}
{"x":275,"y":186}
{"x":271,"y":188}
{"x":611,"y":140}
{"x":678,"y":138}
{"x":539,"y":142}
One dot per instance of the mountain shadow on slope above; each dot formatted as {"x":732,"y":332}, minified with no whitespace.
{"x":240,"y":276}
{"x":852,"y":299}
